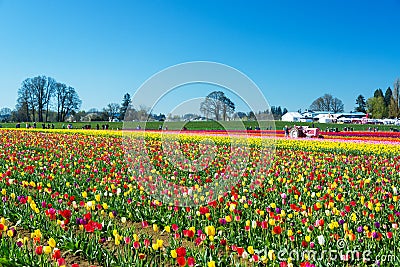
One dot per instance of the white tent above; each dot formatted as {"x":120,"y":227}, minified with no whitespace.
{"x":292,"y":116}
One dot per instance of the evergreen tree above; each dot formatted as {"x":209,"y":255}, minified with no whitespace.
{"x":360,"y":102}
{"x":378,"y":93}
{"x":126,"y":102}
{"x":388,"y":96}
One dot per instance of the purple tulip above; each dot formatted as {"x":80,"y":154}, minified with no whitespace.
{"x":14,"y":231}
{"x":375,"y":235}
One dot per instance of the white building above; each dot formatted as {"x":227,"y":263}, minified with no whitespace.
{"x":292,"y":116}
{"x":325,"y":120}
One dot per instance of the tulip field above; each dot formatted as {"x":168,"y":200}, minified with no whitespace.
{"x":81,"y":198}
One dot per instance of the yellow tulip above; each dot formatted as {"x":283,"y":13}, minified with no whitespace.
{"x":210,"y":230}
{"x":174,"y":254}
{"x":167,"y":228}
{"x":155,"y":228}
{"x":47,"y":249}
{"x":250,"y":249}
{"x":52,"y":242}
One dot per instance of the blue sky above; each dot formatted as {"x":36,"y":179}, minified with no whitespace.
{"x":294,"y":51}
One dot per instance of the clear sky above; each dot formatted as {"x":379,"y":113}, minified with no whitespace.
{"x":294,"y":50}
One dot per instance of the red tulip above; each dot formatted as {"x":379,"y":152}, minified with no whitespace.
{"x":277,"y":230}
{"x":191,"y":262}
{"x":181,"y":261}
{"x":181,"y":252}
{"x":264,"y":224}
{"x":39,"y":250}
{"x":240,"y":251}
{"x":136,"y":245}
{"x":174,"y":227}
{"x":56,"y":254}
{"x":61,"y":262}
{"x":389,"y":235}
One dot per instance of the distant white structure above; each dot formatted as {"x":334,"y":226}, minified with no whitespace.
{"x":292,"y":117}
{"x":325,"y":120}
{"x":330,"y":117}
{"x":313,"y":114}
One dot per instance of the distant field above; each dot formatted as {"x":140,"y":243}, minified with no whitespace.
{"x":208,"y":125}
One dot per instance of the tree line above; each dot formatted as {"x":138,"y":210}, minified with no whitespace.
{"x":122,"y":112}
{"x":218,"y":106}
{"x":381,"y":105}
{"x":39,"y":94}
{"x":44,"y":99}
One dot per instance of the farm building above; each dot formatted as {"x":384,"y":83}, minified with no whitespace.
{"x":313,"y":114}
{"x":292,"y":116}
{"x":350,"y":115}
{"x":326,"y":118}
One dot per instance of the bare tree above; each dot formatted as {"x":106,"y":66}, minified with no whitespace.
{"x":67,"y":100}
{"x":5,"y":114}
{"x":111,"y":110}
{"x":143,"y":113}
{"x":39,"y":91}
{"x":26,"y":101}
{"x":217,"y":105}
{"x":48,"y":94}
{"x":73,"y":102}
{"x":228,"y":107}
{"x":394,"y":106}
{"x":212,"y":105}
{"x":318,"y":104}
{"x":327,"y":103}
{"x":61,"y":95}
{"x":337,"y":105}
